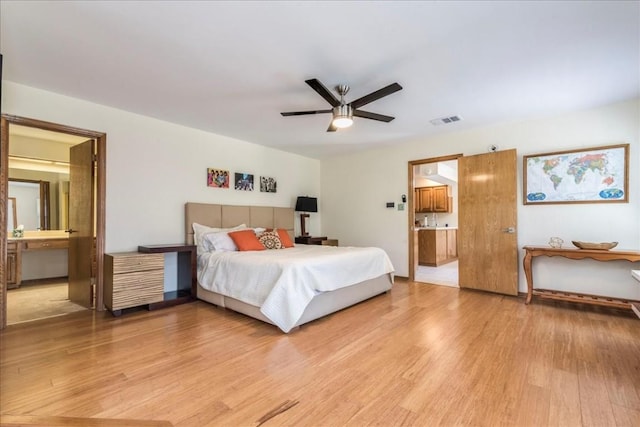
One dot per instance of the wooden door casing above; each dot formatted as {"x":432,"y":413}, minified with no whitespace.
{"x":487,"y":237}
{"x":99,"y":215}
{"x":413,"y":247}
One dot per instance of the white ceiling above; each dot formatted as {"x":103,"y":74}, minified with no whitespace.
{"x":232,"y":67}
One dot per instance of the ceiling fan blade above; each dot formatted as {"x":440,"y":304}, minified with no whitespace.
{"x":331,"y":127}
{"x":372,"y":116}
{"x":304,"y":113}
{"x":323,"y":91}
{"x":388,"y":90}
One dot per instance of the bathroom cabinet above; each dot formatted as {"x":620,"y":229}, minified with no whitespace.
{"x":437,"y":246}
{"x":433,"y":199}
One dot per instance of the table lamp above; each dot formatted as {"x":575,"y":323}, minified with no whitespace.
{"x":305,"y":204}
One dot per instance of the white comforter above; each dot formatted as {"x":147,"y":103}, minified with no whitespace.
{"x":283,"y":282}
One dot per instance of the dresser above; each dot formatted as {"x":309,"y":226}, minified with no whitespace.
{"x":133,"y":279}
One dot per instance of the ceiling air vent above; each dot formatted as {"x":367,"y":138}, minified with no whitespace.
{"x":445,"y":120}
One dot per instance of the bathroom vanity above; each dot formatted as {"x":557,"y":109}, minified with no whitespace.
{"x":33,"y":242}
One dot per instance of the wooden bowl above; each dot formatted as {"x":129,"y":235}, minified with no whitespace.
{"x":595,"y":246}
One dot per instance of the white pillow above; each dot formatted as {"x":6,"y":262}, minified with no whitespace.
{"x":259,"y":230}
{"x":219,"y":241}
{"x":200,"y":230}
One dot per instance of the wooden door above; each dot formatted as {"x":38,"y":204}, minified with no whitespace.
{"x":81,"y":222}
{"x":487,"y":238}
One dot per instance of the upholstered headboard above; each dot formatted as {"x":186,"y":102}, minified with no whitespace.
{"x":226,"y":216}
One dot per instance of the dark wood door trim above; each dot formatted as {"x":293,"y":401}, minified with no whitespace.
{"x":101,"y":163}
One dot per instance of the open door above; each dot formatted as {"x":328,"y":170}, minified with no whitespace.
{"x":81,"y":222}
{"x":487,"y":238}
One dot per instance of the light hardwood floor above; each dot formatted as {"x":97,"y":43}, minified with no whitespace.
{"x":421,"y":355}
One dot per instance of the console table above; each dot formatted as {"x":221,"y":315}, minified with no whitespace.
{"x":576,"y":254}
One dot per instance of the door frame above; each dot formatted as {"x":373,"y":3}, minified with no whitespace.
{"x":411,"y":201}
{"x":101,"y":172}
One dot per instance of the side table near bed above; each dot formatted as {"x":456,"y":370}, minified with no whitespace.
{"x":308,"y":240}
{"x":135,"y":279}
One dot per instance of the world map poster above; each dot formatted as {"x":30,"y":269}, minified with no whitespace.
{"x":580,"y":176}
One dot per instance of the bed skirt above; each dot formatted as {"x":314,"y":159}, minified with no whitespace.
{"x":321,"y":305}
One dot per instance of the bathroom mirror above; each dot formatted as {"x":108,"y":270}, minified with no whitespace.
{"x":32,"y":202}
{"x":12,"y":222}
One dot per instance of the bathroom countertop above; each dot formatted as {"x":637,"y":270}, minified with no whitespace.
{"x":39,"y":235}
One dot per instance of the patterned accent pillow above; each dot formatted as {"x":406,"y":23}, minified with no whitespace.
{"x":270,"y":240}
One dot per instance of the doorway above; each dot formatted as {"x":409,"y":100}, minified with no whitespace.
{"x":487,"y":230}
{"x":434,"y":220}
{"x":57,"y":236}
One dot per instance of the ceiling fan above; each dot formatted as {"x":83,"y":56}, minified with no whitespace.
{"x":343,"y":112}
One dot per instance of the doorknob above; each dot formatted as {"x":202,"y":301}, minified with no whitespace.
{"x":71,"y":230}
{"x":510,"y":230}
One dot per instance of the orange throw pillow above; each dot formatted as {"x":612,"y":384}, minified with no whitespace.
{"x":284,"y":238}
{"x":246,"y":240}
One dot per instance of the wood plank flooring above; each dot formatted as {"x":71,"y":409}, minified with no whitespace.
{"x":419,"y":355}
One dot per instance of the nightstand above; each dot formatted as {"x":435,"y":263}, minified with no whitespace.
{"x":308,"y":240}
{"x":132,"y":279}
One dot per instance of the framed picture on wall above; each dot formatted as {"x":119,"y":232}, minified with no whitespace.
{"x":217,"y":178}
{"x":244,"y":181}
{"x":268,"y":184}
{"x":590,"y":175}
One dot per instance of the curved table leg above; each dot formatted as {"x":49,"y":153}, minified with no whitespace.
{"x":529,"y":274}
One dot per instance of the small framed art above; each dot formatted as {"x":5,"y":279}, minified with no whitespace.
{"x":244,"y":182}
{"x":217,"y":178}
{"x":268,"y":184}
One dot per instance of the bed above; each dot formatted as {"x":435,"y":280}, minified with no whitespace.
{"x":328,"y":296}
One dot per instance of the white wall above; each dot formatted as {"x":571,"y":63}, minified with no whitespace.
{"x":154,"y":167}
{"x":363,"y":182}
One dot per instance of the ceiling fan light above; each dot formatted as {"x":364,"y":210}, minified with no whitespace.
{"x":342,"y":122}
{"x":342,"y":116}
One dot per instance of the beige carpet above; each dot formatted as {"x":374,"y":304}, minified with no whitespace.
{"x":31,"y":302}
